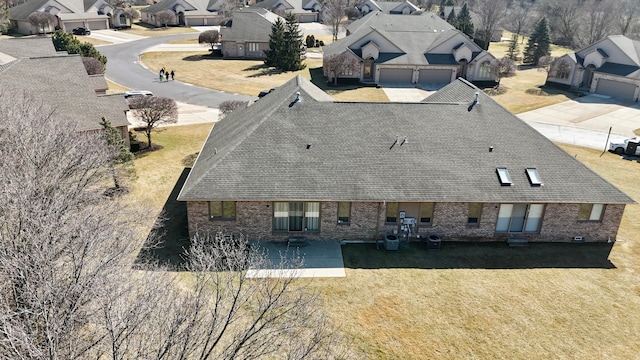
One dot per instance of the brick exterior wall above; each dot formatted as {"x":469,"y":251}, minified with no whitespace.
{"x":367,"y":221}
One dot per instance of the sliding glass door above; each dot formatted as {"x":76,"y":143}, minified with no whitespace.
{"x":517,"y":218}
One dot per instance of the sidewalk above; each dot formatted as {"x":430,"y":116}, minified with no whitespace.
{"x":187,"y":115}
{"x":114,"y":37}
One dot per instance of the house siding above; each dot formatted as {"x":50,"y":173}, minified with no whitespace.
{"x":367,"y":221}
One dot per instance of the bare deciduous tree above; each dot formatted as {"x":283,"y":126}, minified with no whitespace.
{"x":627,"y":12}
{"x":597,"y":22}
{"x":491,"y":13}
{"x":334,"y":12}
{"x":93,"y":66}
{"x":153,"y":111}
{"x":226,"y":107}
{"x":67,"y":288}
{"x":165,"y":17}
{"x":519,"y":16}
{"x":131,"y":13}
{"x":503,"y":67}
{"x":545,"y":63}
{"x":59,"y":236}
{"x":210,"y":37}
{"x":339,"y":64}
{"x":42,"y":20}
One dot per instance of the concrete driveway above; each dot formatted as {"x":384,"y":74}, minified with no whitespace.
{"x":586,"y":121}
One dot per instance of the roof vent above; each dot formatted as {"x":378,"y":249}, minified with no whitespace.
{"x":296,"y":100}
{"x":394,"y":143}
{"x":474,"y":103}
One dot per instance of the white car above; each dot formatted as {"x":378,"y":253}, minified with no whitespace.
{"x":621,"y":148}
{"x":130,"y":93}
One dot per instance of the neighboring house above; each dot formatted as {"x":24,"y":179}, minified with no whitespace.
{"x":187,"y":12}
{"x":70,"y":14}
{"x":60,"y":81}
{"x":388,"y":7}
{"x":305,"y":10}
{"x":609,"y":67}
{"x":299,"y":163}
{"x":496,"y":35}
{"x":249,"y":34}
{"x":420,"y":49}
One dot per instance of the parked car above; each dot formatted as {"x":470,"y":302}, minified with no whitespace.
{"x":130,"y":93}
{"x":630,"y":146}
{"x":81,"y":31}
{"x":265,"y":92}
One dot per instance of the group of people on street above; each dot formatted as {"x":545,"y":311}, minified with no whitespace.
{"x":164,"y":74}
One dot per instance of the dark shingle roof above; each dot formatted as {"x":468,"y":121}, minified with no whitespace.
{"x":22,"y":11}
{"x":29,"y":47}
{"x":253,"y":24}
{"x":262,"y":153}
{"x":62,"y":82}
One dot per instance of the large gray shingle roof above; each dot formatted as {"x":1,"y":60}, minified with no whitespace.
{"x":29,"y":47}
{"x":62,"y":82}
{"x":261,"y":153}
{"x":253,"y":24}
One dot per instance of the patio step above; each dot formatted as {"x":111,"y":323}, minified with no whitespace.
{"x":517,"y":242}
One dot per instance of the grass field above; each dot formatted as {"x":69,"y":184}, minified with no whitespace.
{"x":143,"y":29}
{"x":467,"y":301}
{"x":248,"y":77}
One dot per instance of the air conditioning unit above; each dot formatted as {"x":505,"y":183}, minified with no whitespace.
{"x":578,"y":239}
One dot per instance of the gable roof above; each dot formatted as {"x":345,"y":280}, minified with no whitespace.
{"x":29,"y":47}
{"x":416,"y":37}
{"x":427,"y":22}
{"x":61,"y":81}
{"x":252,"y":24}
{"x":293,"y":6}
{"x":387,"y":7}
{"x":623,"y":62}
{"x":191,"y":6}
{"x":69,"y":9}
{"x":319,"y":150}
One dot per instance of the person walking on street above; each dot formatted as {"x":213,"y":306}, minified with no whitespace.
{"x":172,"y":74}
{"x":161,"y":75}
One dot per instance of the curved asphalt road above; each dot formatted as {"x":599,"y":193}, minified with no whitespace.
{"x":123,"y":67}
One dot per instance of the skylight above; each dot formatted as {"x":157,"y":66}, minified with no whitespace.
{"x":534,"y":176}
{"x":503,"y":174}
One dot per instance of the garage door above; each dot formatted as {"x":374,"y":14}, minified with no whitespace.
{"x":70,"y":25}
{"x":617,"y":89}
{"x":97,"y":25}
{"x":435,"y":76}
{"x":396,"y":76}
{"x":196,"y":21}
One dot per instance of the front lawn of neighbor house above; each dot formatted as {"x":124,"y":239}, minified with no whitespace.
{"x":248,"y":77}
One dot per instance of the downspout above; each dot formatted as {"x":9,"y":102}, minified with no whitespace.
{"x":375,"y":236}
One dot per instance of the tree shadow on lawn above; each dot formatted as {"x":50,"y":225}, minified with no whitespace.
{"x":170,"y":231}
{"x":318,"y":79}
{"x":484,"y":255}
{"x":264,"y":70}
{"x":201,"y":57}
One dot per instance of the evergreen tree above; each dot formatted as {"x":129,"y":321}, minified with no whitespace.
{"x":452,"y":19}
{"x":64,"y":41}
{"x":276,"y":44}
{"x":292,"y":59}
{"x":464,"y":22}
{"x":512,"y":52}
{"x":539,"y":43}
{"x":121,"y":159}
